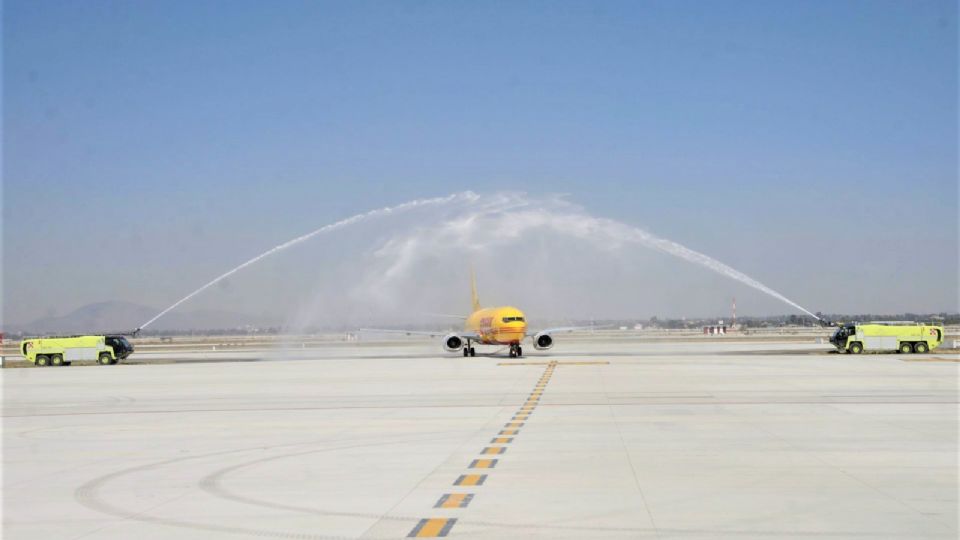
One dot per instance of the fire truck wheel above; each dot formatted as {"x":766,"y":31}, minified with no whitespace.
{"x":57,"y":360}
{"x":906,"y":347}
{"x":104,"y":359}
{"x":856,"y":348}
{"x":920,"y":347}
{"x":42,"y":360}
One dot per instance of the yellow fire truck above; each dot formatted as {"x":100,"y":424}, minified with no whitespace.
{"x":61,"y":350}
{"x":904,"y":337}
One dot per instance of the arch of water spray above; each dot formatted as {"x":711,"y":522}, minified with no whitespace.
{"x":607,"y":226}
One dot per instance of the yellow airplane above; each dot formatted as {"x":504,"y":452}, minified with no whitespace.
{"x":504,"y":325}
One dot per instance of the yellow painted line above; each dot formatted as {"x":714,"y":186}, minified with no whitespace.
{"x":454,"y":500}
{"x":501,"y":440}
{"x":493,"y":450}
{"x":432,"y":528}
{"x":513,"y":425}
{"x":483,"y":463}
{"x":934,"y":359}
{"x":523,"y":363}
{"x":520,"y":417}
{"x":509,"y":431}
{"x":470,"y":480}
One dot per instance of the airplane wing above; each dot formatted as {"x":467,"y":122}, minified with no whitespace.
{"x":464,"y":335}
{"x":567,"y":329}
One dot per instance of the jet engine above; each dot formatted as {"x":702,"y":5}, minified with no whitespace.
{"x":542,"y":341}
{"x":452,"y":343}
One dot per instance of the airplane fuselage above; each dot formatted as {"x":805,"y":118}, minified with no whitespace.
{"x":503,"y":325}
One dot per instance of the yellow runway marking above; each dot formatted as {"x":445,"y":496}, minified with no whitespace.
{"x":432,"y":528}
{"x":438,"y":527}
{"x":454,"y":500}
{"x":471,"y":480}
{"x":934,"y":359}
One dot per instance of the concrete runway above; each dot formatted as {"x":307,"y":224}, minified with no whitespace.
{"x":589,"y":440}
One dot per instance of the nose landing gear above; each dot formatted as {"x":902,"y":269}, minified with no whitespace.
{"x":516,"y":351}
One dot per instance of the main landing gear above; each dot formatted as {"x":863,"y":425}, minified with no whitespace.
{"x":469,"y":351}
{"x":516,"y":351}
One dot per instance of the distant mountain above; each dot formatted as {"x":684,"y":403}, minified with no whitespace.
{"x":104,"y":317}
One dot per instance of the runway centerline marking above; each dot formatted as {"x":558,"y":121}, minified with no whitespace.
{"x":470,"y":480}
{"x":454,"y":500}
{"x":436,"y":527}
{"x":432,"y":528}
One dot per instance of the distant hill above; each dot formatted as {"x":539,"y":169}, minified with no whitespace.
{"x":104,"y":317}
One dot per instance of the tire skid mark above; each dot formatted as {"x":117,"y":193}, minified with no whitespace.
{"x":88,"y":494}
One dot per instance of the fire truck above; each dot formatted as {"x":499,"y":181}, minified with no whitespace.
{"x":887,"y":336}
{"x":62,"y":350}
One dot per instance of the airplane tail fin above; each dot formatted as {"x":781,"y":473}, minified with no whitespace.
{"x":473,"y":291}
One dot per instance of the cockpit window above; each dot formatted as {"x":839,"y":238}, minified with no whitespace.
{"x":512,"y":319}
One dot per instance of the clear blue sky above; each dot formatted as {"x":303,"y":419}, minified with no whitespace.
{"x":809,"y":144}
